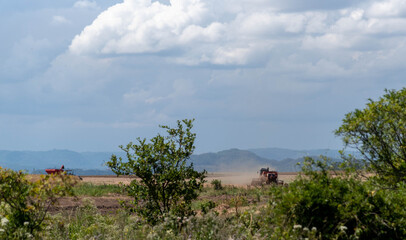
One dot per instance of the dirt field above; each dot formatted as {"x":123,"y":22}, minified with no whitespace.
{"x":110,"y":204}
{"x":105,"y":204}
{"x":244,"y":178}
{"x":228,"y":178}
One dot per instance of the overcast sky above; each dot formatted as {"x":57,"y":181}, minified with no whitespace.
{"x":91,"y":75}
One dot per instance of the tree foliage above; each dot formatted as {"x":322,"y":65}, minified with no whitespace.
{"x":339,"y":204}
{"x":165,"y":182}
{"x":24,"y":204}
{"x":378,"y":132}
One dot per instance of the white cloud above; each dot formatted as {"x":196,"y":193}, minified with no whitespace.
{"x":387,"y":8}
{"x":328,"y":41}
{"x":135,"y":27}
{"x":187,"y":32}
{"x":59,"y":20}
{"x":317,"y":22}
{"x":85,"y":4}
{"x":180,"y":88}
{"x":141,"y":97}
{"x":138,"y":27}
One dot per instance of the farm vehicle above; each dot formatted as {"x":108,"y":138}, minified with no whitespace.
{"x":61,"y":170}
{"x":266,"y":177}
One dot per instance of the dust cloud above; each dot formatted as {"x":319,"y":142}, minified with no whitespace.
{"x":238,"y":174}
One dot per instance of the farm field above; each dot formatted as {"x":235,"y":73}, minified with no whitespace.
{"x":107,"y":201}
{"x":228,"y":178}
{"x":232,"y":209}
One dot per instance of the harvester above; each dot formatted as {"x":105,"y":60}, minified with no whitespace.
{"x":266,"y":177}
{"x":60,"y":170}
{"x":55,"y":170}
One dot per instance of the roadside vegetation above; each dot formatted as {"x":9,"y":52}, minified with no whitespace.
{"x":326,"y":201}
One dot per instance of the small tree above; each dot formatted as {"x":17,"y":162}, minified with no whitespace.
{"x":216,"y":184}
{"x":337,"y":204}
{"x":378,"y":132}
{"x":24,"y":204}
{"x":164,"y":183}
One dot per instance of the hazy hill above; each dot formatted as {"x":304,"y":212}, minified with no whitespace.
{"x":29,"y":160}
{"x":236,"y":160}
{"x":282,"y":153}
{"x":230,"y":160}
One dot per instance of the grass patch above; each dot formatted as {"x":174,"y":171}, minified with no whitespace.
{"x":231,"y":197}
{"x":208,"y":192}
{"x":89,"y":189}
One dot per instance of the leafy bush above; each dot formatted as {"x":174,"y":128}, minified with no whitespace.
{"x":206,"y":206}
{"x":24,"y":204}
{"x":166,"y":183}
{"x":216,"y":184}
{"x":237,"y":202}
{"x":378,"y":132}
{"x":339,"y":205}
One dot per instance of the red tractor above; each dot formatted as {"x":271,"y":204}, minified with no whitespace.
{"x":60,"y":170}
{"x":266,"y":177}
{"x":55,"y":170}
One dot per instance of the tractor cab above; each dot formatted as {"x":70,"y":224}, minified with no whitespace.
{"x":266,"y":177}
{"x":263,"y":171}
{"x":272,"y":177}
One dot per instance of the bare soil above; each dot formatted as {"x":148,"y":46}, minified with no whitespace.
{"x":107,"y":179}
{"x":110,"y":204}
{"x":105,"y":204}
{"x":245,"y":178}
{"x":226,"y":178}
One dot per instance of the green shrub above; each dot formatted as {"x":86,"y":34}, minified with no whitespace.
{"x":216,"y":184}
{"x":237,"y":202}
{"x":24,"y":204}
{"x":378,"y":132}
{"x":339,"y":206}
{"x":206,"y":206}
{"x":166,"y":182}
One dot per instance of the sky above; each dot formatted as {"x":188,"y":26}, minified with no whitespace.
{"x":90,"y":75}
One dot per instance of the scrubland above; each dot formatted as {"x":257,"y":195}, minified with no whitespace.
{"x":319,"y":205}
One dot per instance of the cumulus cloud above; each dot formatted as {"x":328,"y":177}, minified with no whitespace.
{"x":135,"y":27}
{"x":193,"y":33}
{"x":389,"y":8}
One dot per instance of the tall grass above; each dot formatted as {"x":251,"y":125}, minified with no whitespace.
{"x":88,"y":223}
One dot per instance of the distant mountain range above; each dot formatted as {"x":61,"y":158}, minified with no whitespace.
{"x":30,"y":160}
{"x":282,"y":153}
{"x":236,"y":160}
{"x":92,"y":163}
